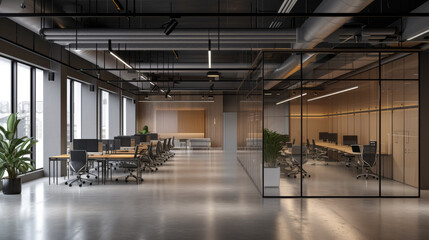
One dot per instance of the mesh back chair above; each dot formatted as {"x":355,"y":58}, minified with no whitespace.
{"x":159,"y":158}
{"x":368,"y":160}
{"x":147,"y":160}
{"x":172,"y":143}
{"x":78,"y":164}
{"x":319,"y":153}
{"x":297,"y":161}
{"x":131,"y":166}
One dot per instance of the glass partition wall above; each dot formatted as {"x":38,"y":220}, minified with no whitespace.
{"x":346,"y":128}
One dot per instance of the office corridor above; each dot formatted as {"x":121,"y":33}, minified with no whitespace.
{"x":201,"y":195}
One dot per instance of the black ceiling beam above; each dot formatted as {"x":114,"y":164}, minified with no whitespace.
{"x":176,"y":80}
{"x":167,"y":69}
{"x":212,"y":14}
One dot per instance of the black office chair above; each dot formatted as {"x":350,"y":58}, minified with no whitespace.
{"x":78,"y":164}
{"x":131,"y":166}
{"x":147,"y":160}
{"x":297,"y":161}
{"x":172,"y":143}
{"x":368,"y":160}
{"x":319,"y":153}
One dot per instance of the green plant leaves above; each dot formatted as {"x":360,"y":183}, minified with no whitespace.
{"x":273,"y":144}
{"x":14,"y":151}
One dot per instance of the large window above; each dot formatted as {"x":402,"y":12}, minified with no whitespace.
{"x":74,"y":110}
{"x":5,"y":90}
{"x":39,"y":118}
{"x":104,"y":115}
{"x":124,"y":116}
{"x":24,"y":100}
{"x":24,"y":97}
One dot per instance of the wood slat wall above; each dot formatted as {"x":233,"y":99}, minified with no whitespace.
{"x":146,"y":115}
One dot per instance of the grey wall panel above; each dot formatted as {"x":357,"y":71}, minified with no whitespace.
{"x":131,"y":117}
{"x":230,"y":132}
{"x":89,"y":113}
{"x":114,"y":116}
{"x":52,"y":118}
{"x":276,"y":117}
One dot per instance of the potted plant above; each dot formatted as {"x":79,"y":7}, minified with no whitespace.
{"x":273,"y":144}
{"x":145,"y":130}
{"x":14,"y":156}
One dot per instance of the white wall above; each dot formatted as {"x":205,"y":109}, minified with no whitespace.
{"x":51,"y":117}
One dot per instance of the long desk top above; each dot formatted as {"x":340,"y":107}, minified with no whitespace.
{"x":98,"y":156}
{"x":341,"y":148}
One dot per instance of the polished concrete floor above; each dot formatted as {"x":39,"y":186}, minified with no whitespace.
{"x":335,"y":179}
{"x":201,"y":195}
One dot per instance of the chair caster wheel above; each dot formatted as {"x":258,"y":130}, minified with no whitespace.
{"x":80,"y":185}
{"x":126,"y":180}
{"x":87,"y":176}
{"x":366,"y":178}
{"x":357,"y":177}
{"x":294,"y":176}
{"x":90,"y":183}
{"x":142,"y":180}
{"x":66,"y":183}
{"x":70,"y":185}
{"x":96,"y":177}
{"x":83,"y":182}
{"x":114,"y":168}
{"x":156,"y":169}
{"x":116,"y":179}
{"x":309,"y":175}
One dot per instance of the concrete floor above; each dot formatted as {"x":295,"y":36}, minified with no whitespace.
{"x":201,"y":195}
{"x":337,"y":180}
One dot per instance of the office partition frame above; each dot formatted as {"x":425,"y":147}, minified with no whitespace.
{"x":379,"y":110}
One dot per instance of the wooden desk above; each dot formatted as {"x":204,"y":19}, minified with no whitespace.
{"x":333,"y":146}
{"x":103,"y":158}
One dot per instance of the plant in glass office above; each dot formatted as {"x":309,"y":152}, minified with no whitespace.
{"x":14,"y":154}
{"x":145,"y":130}
{"x":273,"y":144}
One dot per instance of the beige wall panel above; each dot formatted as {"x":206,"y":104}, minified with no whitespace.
{"x":364,"y":128}
{"x":191,"y":121}
{"x":411,"y":147}
{"x":386,"y":132}
{"x":398,"y":145}
{"x":146,"y":112}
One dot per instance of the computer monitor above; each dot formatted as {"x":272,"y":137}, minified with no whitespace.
{"x":355,"y":148}
{"x":350,"y":139}
{"x":89,"y":145}
{"x":323,"y":136}
{"x":333,"y":138}
{"x":125,"y":141}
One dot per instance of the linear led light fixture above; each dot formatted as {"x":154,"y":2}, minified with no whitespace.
{"x":418,"y":35}
{"x":117,"y":57}
{"x":290,"y":99}
{"x":334,"y":93}
{"x":178,"y":101}
{"x":210,"y":54}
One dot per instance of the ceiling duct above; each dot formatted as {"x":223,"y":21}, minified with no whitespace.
{"x":313,"y":31}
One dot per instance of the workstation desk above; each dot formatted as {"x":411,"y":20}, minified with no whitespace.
{"x":104,"y":159}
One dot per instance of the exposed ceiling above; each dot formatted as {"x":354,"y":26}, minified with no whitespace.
{"x":141,"y":42}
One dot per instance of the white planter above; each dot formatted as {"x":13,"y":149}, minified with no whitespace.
{"x":272,"y":177}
